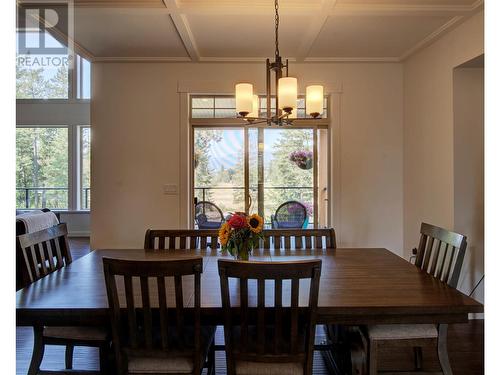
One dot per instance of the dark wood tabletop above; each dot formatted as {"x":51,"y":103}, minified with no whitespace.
{"x":358,"y":286}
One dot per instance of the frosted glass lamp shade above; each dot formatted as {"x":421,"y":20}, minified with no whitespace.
{"x":314,"y":100}
{"x":255,"y":107}
{"x":287,"y":93}
{"x":244,"y":98}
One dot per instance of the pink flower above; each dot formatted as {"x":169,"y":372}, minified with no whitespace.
{"x":237,"y":221}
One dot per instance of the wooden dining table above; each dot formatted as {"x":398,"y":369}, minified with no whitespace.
{"x":358,"y":286}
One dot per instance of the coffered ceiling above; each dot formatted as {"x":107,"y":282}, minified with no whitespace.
{"x":243,"y":30}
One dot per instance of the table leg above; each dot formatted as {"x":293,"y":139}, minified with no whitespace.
{"x":443,"y":349}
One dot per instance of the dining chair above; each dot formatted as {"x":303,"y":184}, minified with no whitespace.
{"x":440,"y":253}
{"x":157,"y":239}
{"x":298,"y":239}
{"x":269,"y":340}
{"x":155,"y":339}
{"x":208,"y":215}
{"x":289,"y":215}
{"x":44,"y":252}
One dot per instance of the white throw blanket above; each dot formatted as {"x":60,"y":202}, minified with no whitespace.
{"x":38,"y":220}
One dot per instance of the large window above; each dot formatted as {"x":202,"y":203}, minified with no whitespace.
{"x":42,"y":167}
{"x":256,"y":168}
{"x":53,"y":167}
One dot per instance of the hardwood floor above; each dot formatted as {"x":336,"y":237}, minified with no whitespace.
{"x":465,"y":343}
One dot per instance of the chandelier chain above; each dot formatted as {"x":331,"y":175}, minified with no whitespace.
{"x":277,"y":23}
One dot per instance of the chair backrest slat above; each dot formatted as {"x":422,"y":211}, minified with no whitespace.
{"x":278,"y":314}
{"x":179,"y":298}
{"x":162,"y":302}
{"x":156,"y":239}
{"x":444,"y":260}
{"x":39,"y":250}
{"x":293,"y":239}
{"x":296,"y":239}
{"x":132,"y":325}
{"x":149,"y":272}
{"x":244,"y":312}
{"x":276,"y":347}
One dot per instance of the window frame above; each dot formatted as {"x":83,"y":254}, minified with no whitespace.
{"x":74,"y":166}
{"x":297,"y":122}
{"x":74,"y":72}
{"x":323,"y":123}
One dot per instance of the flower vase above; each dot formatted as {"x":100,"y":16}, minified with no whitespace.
{"x":241,"y":252}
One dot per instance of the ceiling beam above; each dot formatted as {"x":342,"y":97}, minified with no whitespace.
{"x":314,"y":29}
{"x":181,"y":24}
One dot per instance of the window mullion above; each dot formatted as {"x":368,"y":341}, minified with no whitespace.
{"x":73,"y":167}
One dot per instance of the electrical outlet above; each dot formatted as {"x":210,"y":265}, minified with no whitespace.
{"x":170,"y":189}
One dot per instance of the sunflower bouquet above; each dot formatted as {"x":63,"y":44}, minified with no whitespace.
{"x":240,"y":234}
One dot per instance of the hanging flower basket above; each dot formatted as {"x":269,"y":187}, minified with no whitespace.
{"x":303,"y":159}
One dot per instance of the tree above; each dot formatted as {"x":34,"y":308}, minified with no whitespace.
{"x":284,"y":173}
{"x":30,"y":83}
{"x":42,"y":161}
{"x":203,"y":173}
{"x":58,"y":85}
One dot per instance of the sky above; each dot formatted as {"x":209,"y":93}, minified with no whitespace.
{"x":228,"y":150}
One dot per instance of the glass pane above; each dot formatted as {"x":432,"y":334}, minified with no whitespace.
{"x":85,"y":168}
{"x":288,"y":170}
{"x":42,"y":168}
{"x":218,"y":168}
{"x":225,"y":103}
{"x":225,"y":113}
{"x":40,"y":76}
{"x":202,"y":113}
{"x":202,"y":103}
{"x":83,"y":71}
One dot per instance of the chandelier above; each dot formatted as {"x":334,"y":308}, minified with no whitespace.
{"x":285,"y":87}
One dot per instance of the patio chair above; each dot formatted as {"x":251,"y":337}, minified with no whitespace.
{"x":289,"y":215}
{"x":208,"y":215}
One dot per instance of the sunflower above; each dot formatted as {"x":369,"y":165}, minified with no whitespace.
{"x":256,"y":223}
{"x":224,"y":231}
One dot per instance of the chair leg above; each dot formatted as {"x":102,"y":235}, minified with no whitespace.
{"x":211,"y":359}
{"x":417,"y":354}
{"x":68,"y":356}
{"x":104,"y":365}
{"x":372,"y":360}
{"x":443,"y":350}
{"x":38,"y":349}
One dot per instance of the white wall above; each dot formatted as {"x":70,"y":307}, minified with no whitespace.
{"x":136,"y":146}
{"x":428,"y":128}
{"x":468,"y":104}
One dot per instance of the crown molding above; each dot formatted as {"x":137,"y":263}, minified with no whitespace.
{"x":399,"y":10}
{"x":118,"y":4}
{"x":389,"y":59}
{"x":239,"y":59}
{"x":134,"y":59}
{"x":436,"y":34}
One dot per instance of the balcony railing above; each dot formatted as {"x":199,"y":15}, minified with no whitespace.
{"x":50,"y":197}
{"x":299,"y":193}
